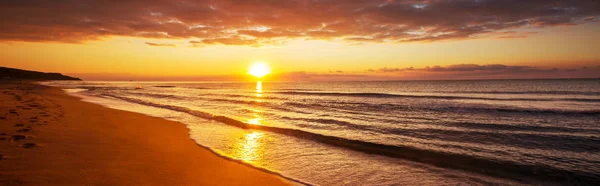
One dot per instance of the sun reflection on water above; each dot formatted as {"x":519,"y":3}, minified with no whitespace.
{"x":259,"y":87}
{"x":249,"y":148}
{"x":255,"y":120}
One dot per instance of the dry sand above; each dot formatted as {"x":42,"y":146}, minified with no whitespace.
{"x":50,"y":138}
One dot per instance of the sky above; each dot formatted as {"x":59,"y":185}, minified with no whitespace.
{"x":303,"y":40}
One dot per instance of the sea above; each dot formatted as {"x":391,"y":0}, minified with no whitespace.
{"x":447,"y":132}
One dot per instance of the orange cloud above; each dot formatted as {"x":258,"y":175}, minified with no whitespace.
{"x":256,"y":22}
{"x":493,"y":71}
{"x":160,"y":45}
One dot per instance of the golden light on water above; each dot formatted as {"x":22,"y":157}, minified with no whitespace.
{"x":259,"y":69}
{"x":255,"y":120}
{"x":249,"y":148}
{"x":258,"y":88}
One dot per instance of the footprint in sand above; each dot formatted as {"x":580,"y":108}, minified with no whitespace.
{"x":19,"y":125}
{"x":1,"y":156}
{"x":2,"y":118}
{"x":24,"y":130}
{"x":33,"y":119}
{"x":29,"y":145}
{"x":18,"y":137}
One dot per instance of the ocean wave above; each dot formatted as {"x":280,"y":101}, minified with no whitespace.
{"x":534,"y":111}
{"x":527,"y":92}
{"x":298,"y":89}
{"x":384,"y":95}
{"x":173,"y":86}
{"x":322,"y":121}
{"x":252,"y":96}
{"x":262,"y":103}
{"x":530,"y":141}
{"x":165,"y":86}
{"x":533,"y":128}
{"x":490,"y":167}
{"x":368,"y":107}
{"x":153,"y":95}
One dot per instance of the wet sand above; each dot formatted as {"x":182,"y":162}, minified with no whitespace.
{"x":50,"y":138}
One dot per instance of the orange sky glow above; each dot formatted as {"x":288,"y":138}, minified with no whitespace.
{"x":303,"y":40}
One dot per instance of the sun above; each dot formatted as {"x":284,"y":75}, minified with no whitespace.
{"x":259,"y":69}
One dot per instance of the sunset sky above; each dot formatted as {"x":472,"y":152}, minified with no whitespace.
{"x":303,"y":39}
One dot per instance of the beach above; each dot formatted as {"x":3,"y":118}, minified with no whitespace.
{"x":51,"y":138}
{"x":471,"y":132}
{"x":298,"y":92}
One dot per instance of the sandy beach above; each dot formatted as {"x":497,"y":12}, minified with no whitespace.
{"x":50,"y":138}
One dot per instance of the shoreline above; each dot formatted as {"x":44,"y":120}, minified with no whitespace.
{"x":530,"y":174}
{"x":44,"y":142}
{"x":295,"y":181}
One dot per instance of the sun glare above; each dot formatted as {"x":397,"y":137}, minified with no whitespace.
{"x":259,"y":69}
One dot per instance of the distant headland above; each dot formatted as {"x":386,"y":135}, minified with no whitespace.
{"x":13,"y":73}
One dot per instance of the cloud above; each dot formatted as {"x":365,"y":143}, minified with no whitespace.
{"x":512,"y":37}
{"x":160,"y":45}
{"x":258,"y":22}
{"x":464,"y":68}
{"x":474,"y":71}
{"x":225,"y":41}
{"x":475,"y":67}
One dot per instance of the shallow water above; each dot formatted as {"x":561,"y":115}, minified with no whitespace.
{"x":356,"y":133}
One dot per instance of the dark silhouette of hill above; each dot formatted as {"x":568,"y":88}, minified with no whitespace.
{"x":13,"y":73}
